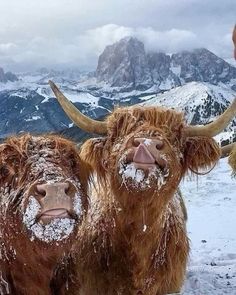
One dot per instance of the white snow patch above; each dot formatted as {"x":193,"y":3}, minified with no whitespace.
{"x":211,"y":203}
{"x":137,"y":176}
{"x":33,"y":118}
{"x":147,"y":141}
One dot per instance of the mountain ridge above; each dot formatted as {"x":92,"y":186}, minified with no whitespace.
{"x":28,"y":104}
{"x":123,"y":63}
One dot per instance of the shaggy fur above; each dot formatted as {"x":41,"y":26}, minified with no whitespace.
{"x":29,"y":266}
{"x":232,"y":159}
{"x":135,"y":240}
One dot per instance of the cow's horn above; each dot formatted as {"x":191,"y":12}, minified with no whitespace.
{"x":226,"y":150}
{"x":215,"y":127}
{"x":83,"y":122}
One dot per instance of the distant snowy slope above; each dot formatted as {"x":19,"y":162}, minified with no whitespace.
{"x":201,"y":102}
{"x":192,"y":95}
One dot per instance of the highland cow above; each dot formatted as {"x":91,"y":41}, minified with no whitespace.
{"x":43,"y":200}
{"x":134,"y":240}
{"x":230,"y":151}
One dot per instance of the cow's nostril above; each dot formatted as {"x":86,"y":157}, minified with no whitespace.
{"x":159,"y":144}
{"x":41,"y":190}
{"x":136,"y":142}
{"x":67,"y":188}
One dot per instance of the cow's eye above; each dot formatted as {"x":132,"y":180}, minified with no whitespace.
{"x":4,"y":171}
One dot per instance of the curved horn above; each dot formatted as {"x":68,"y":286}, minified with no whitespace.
{"x":226,"y":150}
{"x":76,"y":116}
{"x":215,"y":127}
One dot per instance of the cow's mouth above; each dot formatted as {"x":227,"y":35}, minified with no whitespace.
{"x":52,"y":223}
{"x":141,"y":169}
{"x":144,"y":166}
{"x":147,"y":166}
{"x":48,"y":215}
{"x":145,"y":160}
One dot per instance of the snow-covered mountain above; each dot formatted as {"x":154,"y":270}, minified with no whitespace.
{"x":197,"y":82}
{"x":201,"y":103}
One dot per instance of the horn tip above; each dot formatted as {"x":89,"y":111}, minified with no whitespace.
{"x":51,"y":83}
{"x":53,"y":86}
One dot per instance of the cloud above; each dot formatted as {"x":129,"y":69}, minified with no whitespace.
{"x":72,"y":33}
{"x":84,"y":49}
{"x":154,"y":40}
{"x":7,"y":48}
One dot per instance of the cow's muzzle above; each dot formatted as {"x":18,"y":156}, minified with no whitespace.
{"x":56,"y":201}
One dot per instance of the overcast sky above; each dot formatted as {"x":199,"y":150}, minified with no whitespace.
{"x":72,"y":33}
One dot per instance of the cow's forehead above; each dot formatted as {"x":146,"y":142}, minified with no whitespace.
{"x":37,"y":142}
{"x":126,"y":120}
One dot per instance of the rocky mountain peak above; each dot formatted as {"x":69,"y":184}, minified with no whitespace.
{"x":124,"y":64}
{"x":5,"y":77}
{"x":127,"y":65}
{"x":202,"y":65}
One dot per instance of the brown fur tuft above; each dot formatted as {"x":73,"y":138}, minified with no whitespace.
{"x":232,"y":160}
{"x":201,"y":153}
{"x":124,"y":121}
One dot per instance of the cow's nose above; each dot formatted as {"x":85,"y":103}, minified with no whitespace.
{"x":149,"y":150}
{"x":53,"y":189}
{"x":56,"y":200}
{"x":154,"y":143}
{"x":56,"y":195}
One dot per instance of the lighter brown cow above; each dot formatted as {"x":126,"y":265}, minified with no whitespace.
{"x":135,"y":239}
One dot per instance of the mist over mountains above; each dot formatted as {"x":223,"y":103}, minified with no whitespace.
{"x":197,"y":82}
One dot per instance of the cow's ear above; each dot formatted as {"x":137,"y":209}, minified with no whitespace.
{"x":92,"y":152}
{"x":200,"y":154}
{"x":9,"y":162}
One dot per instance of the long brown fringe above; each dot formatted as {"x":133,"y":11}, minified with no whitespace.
{"x":232,"y":160}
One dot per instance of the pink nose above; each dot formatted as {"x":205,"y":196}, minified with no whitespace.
{"x":142,"y":155}
{"x":55,"y":196}
{"x":147,"y":151}
{"x":53,"y":188}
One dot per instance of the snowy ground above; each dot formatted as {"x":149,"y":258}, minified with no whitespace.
{"x":211,"y":202}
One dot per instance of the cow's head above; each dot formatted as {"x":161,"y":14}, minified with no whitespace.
{"x":147,"y":150}
{"x":42,"y":186}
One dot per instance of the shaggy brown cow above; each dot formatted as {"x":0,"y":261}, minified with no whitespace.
{"x":43,"y":199}
{"x":230,"y":151}
{"x":232,"y":159}
{"x":136,"y":241}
